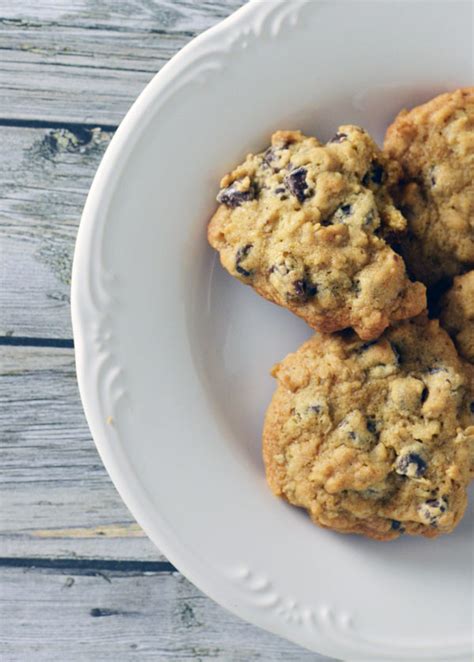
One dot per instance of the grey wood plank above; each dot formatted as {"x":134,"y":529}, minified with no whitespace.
{"x":126,"y":15}
{"x":56,"y":615}
{"x":86,"y":62}
{"x":33,"y":300}
{"x":45,"y":175}
{"x":56,"y":498}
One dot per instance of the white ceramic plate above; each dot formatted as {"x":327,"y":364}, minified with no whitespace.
{"x":173,"y":356}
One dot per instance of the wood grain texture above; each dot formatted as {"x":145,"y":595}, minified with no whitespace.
{"x":65,"y":614}
{"x":45,"y":175}
{"x":86,"y":61}
{"x":57,"y":499}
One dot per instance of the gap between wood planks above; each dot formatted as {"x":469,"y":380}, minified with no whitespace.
{"x":22,"y":341}
{"x":74,"y":127}
{"x":87,"y":566}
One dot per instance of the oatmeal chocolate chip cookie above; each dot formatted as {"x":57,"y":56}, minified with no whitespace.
{"x":434,"y":144}
{"x":304,"y":224}
{"x":457,"y":314}
{"x":373,"y":437}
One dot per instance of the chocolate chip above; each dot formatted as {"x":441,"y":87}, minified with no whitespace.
{"x":296,"y":182}
{"x":436,"y":503}
{"x":424,"y":395}
{"x":232,"y":197}
{"x":411,"y":465}
{"x":325,"y":222}
{"x":274,"y":157}
{"x":316,"y":409}
{"x":240,"y":256}
{"x":372,"y":425}
{"x":339,"y":216}
{"x":432,"y":510}
{"x":339,"y":138}
{"x":304,"y":289}
{"x":471,"y":407}
{"x":396,"y":525}
{"x":282,"y":192}
{"x":309,"y":415}
{"x":270,"y":157}
{"x":375,"y":174}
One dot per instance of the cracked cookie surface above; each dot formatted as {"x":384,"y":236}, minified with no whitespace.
{"x":434,"y":145}
{"x":305,"y":225}
{"x":373,"y":437}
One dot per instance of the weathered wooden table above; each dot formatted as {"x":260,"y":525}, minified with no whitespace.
{"x":78,"y":578}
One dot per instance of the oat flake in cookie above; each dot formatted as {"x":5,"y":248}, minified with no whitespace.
{"x":434,"y":144}
{"x":376,"y":437}
{"x":305,"y":225}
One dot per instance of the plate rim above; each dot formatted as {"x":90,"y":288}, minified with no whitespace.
{"x":121,"y":474}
